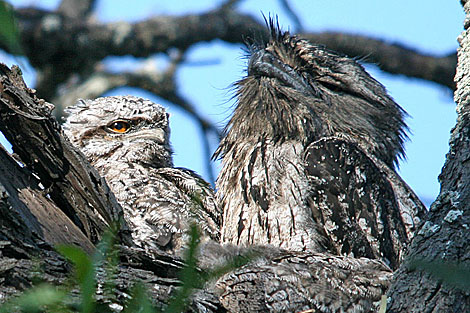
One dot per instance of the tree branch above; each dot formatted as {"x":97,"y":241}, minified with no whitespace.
{"x":52,"y":42}
{"x":76,"y":9}
{"x":42,"y":219}
{"x":68,"y":178}
{"x":161,"y":84}
{"x":391,"y":57}
{"x":293,"y":15}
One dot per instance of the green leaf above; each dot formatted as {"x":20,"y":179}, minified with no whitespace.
{"x":455,"y":274}
{"x":36,"y":299}
{"x":139,"y":301}
{"x":189,"y":275}
{"x":9,"y":34}
{"x":85,"y":273}
{"x":107,"y":254}
{"x":79,"y":258}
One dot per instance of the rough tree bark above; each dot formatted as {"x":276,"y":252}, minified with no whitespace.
{"x":53,"y":195}
{"x":445,"y":236}
{"x":65,"y":175}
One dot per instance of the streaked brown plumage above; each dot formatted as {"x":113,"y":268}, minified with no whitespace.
{"x":286,"y":281}
{"x":308,"y":156}
{"x":126,"y":139}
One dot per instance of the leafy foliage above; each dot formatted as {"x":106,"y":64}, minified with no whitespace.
{"x":36,"y":300}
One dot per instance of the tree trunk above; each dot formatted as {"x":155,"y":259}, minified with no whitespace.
{"x":445,"y":235}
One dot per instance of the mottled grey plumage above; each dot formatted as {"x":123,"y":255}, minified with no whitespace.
{"x":159,"y":201}
{"x":126,"y":139}
{"x":283,"y":281}
{"x":308,"y":156}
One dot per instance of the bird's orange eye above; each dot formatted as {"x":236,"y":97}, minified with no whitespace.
{"x":119,"y":127}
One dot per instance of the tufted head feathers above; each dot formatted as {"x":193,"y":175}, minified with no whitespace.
{"x":297,"y":90}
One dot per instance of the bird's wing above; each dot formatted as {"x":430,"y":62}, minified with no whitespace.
{"x":204,"y":208}
{"x":294,"y":282}
{"x":366,"y":208}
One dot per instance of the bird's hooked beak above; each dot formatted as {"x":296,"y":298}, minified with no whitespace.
{"x":156,"y":135}
{"x":264,"y":63}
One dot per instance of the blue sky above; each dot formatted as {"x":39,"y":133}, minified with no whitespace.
{"x":431,"y":27}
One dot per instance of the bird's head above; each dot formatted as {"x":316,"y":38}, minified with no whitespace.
{"x":120,"y":128}
{"x":297,"y":90}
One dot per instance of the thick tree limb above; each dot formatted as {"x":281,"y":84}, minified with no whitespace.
{"x":444,"y":237}
{"x":34,"y":214}
{"x":393,"y":58}
{"x":76,"y":9}
{"x":69,"y":180}
{"x":58,"y":46}
{"x":51,"y":41}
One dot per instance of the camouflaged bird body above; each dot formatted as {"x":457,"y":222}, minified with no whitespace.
{"x":308,"y":157}
{"x":266,"y":198}
{"x":127,"y":140}
{"x":160,"y":203}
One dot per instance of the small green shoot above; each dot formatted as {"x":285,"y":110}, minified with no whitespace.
{"x":42,"y":298}
{"x":190,"y":278}
{"x":9,"y":34}
{"x":139,"y":302}
{"x":84,"y":273}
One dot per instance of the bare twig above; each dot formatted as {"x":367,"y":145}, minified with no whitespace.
{"x":161,"y":85}
{"x":297,"y":23}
